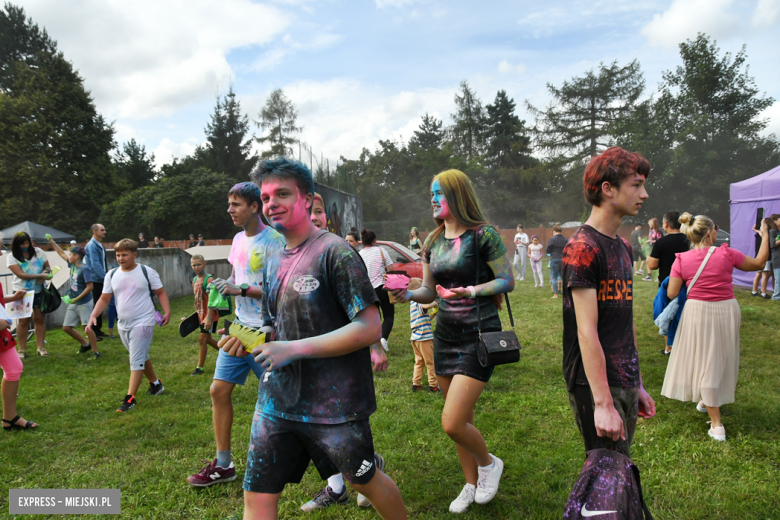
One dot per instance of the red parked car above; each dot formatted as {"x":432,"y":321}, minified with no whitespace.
{"x":403,"y":259}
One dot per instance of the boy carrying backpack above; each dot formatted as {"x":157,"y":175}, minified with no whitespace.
{"x":134,"y":286}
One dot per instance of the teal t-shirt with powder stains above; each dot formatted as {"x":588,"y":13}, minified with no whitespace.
{"x":80,"y":276}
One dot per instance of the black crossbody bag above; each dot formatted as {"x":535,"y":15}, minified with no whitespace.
{"x":495,"y":348}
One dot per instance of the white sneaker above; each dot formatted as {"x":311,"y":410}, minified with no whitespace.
{"x":384,"y":345}
{"x":639,"y":271}
{"x":719,"y":433}
{"x":700,"y":407}
{"x":465,"y":499}
{"x":487,"y":483}
{"x":522,"y":279}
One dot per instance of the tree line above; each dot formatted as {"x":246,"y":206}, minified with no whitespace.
{"x":700,"y":129}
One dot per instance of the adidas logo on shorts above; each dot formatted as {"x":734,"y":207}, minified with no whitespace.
{"x":364,"y":468}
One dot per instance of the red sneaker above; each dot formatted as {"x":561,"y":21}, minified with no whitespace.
{"x":212,"y":474}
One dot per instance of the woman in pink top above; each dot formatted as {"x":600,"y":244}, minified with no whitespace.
{"x":704,"y":362}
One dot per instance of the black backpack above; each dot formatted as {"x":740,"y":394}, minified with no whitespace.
{"x":608,"y":489}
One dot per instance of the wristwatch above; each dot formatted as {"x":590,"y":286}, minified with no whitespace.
{"x":244,"y":289}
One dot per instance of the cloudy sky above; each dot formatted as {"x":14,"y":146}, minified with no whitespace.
{"x":363,"y":70}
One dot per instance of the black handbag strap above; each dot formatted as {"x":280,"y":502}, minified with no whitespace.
{"x":506,"y":296}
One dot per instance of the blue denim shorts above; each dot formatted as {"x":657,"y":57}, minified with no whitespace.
{"x":232,"y":369}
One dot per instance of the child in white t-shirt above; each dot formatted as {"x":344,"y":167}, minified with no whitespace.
{"x":132,"y":285}
{"x":535,"y":254}
{"x":521,"y":253}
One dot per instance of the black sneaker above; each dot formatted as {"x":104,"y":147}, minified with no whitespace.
{"x":754,"y":293}
{"x":95,"y":356}
{"x":666,"y":352}
{"x":326,"y":497}
{"x":434,"y":389}
{"x":99,"y":338}
{"x":155,"y":389}
{"x":85,"y":348}
{"x":197,"y":372}
{"x":416,"y":388}
{"x":766,"y":296}
{"x":127,"y":404}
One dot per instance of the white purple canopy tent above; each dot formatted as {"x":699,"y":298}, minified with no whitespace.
{"x":746,"y":197}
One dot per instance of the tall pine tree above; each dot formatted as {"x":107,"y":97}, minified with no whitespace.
{"x":134,"y":166}
{"x":467,"y":133}
{"x":703,"y":132}
{"x":229,"y":148}
{"x":54,"y":155}
{"x":279,"y":117}
{"x":576,"y":124}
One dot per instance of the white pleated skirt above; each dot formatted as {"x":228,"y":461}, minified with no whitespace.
{"x":704,"y":363}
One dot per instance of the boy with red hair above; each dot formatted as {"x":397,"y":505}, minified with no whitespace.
{"x":600,"y":359}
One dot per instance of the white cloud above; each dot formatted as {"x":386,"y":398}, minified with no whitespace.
{"x":773,"y":115}
{"x":767,"y":13}
{"x":719,"y":19}
{"x":167,"y":150}
{"x":685,"y":18}
{"x":580,"y":16}
{"x":393,"y":3}
{"x":342,"y":116}
{"x":144,"y":59}
{"x":288,"y":45}
{"x":504,"y":67}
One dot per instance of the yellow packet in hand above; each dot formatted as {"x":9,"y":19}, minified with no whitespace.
{"x":56,"y":269}
{"x":250,"y":338}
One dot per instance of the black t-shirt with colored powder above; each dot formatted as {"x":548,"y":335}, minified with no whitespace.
{"x":596,"y":261}
{"x":327,"y":287}
{"x":453,"y":263}
{"x":665,"y":249}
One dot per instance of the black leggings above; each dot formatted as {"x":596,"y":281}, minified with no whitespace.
{"x":388,"y":311}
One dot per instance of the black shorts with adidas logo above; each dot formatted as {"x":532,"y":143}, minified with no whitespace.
{"x":280,"y":451}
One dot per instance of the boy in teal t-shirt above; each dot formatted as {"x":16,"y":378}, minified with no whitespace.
{"x":78,"y":298}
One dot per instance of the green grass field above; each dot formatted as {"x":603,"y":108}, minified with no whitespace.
{"x":523,"y":414}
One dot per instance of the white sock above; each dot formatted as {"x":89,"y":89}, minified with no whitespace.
{"x":489,"y":466}
{"x":156,"y":382}
{"x":336,"y":483}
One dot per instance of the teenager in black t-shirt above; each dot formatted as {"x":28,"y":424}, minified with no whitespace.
{"x":315,"y":402}
{"x":464,"y":261}
{"x":664,"y":250}
{"x":600,"y":360}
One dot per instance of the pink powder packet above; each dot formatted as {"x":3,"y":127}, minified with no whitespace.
{"x":395,"y":282}
{"x":444,"y":293}
{"x":158,"y":317}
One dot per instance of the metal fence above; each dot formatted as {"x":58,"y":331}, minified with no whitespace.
{"x":325,"y":171}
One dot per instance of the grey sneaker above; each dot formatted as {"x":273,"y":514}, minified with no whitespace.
{"x":155,"y":389}
{"x":362,"y":501}
{"x":325,"y":498}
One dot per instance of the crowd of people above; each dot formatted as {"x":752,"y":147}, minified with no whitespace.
{"x":319,"y":315}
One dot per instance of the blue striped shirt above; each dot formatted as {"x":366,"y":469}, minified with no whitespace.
{"x":420,"y":322}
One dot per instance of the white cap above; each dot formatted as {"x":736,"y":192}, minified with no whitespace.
{"x":73,"y":242}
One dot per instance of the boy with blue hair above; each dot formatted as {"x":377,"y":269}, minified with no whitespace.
{"x":319,"y":394}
